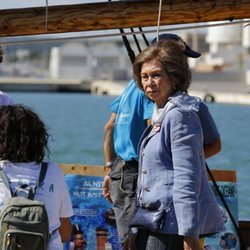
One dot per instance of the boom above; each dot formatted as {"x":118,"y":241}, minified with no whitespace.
{"x":116,"y":15}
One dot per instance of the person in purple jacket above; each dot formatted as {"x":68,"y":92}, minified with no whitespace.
{"x":5,"y":99}
{"x":172,"y":176}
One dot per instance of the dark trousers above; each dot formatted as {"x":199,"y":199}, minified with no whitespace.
{"x":122,"y":189}
{"x":146,"y":240}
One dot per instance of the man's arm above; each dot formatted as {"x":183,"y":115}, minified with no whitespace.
{"x":65,"y":229}
{"x":212,"y":142}
{"x":109,"y":153}
{"x":212,"y":148}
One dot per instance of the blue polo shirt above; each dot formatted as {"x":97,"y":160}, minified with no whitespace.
{"x":133,"y":109}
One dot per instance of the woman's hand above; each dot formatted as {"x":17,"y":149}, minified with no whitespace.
{"x":191,"y":243}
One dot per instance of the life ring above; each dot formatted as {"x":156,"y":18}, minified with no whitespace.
{"x":209,"y":98}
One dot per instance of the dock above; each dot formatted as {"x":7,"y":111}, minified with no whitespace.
{"x":209,"y":91}
{"x":219,"y":92}
{"x":28,"y":84}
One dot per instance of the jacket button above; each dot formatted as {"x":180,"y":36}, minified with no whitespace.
{"x":142,"y":153}
{"x":144,"y":171}
{"x":146,"y":189}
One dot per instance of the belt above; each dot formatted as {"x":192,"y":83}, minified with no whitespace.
{"x":132,"y":163}
{"x":129,"y":164}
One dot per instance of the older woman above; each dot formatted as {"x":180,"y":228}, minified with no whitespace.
{"x":172,"y":174}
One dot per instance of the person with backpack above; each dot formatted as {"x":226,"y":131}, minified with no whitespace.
{"x":23,"y":146}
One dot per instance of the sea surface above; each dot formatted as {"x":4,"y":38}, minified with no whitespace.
{"x":76,"y":124}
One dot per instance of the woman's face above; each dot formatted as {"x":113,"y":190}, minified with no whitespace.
{"x":156,"y":83}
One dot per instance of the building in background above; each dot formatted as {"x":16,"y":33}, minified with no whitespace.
{"x":225,"y":53}
{"x":71,"y":60}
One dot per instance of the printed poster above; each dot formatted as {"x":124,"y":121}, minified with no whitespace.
{"x":93,"y":221}
{"x":227,"y":239}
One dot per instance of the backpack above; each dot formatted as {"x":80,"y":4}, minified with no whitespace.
{"x":23,"y":221}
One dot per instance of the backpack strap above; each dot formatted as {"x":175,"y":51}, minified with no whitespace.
{"x":43,"y":172}
{"x":5,"y":180}
{"x":42,"y":175}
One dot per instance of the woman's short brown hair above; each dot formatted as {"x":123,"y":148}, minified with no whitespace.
{"x":171,"y":55}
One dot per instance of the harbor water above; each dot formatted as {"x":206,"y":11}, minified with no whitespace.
{"x":76,"y":125}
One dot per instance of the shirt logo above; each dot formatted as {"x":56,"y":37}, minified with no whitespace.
{"x":51,"y":188}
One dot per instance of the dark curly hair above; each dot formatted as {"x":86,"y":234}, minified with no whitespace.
{"x":23,"y":136}
{"x":173,"y":60}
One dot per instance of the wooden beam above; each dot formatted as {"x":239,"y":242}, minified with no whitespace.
{"x":80,"y":169}
{"x":119,"y":14}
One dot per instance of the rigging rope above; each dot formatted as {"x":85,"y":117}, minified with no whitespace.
{"x":136,"y":40}
{"x":144,"y":37}
{"x":159,"y":20}
{"x":131,"y":53}
{"x":47,"y":15}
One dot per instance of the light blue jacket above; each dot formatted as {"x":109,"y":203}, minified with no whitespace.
{"x":172,"y":172}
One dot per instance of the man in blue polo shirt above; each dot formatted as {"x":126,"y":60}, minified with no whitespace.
{"x":131,"y":114}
